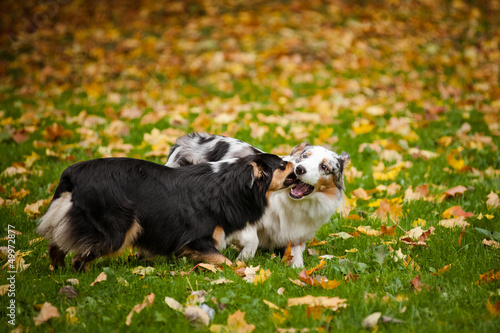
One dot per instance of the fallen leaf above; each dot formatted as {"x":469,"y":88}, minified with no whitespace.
{"x":143,"y":271}
{"x":173,"y":304}
{"x":492,"y":243}
{"x":458,"y":221}
{"x":493,"y":201}
{"x":287,"y":256}
{"x":333,"y":303}
{"x":249,"y":273}
{"x":441,"y":271}
{"x":68,"y":291}
{"x":48,"y":311}
{"x":71,"y":315}
{"x":148,"y":301}
{"x":262,"y":276}
{"x":74,"y":282}
{"x":371,"y":321}
{"x":452,"y":192}
{"x":34,"y":208}
{"x":418,"y":285}
{"x":196,"y":316}
{"x":417,"y":236}
{"x":4,"y":288}
{"x":361,"y":194}
{"x":388,"y":231}
{"x":493,"y":309}
{"x":319,"y":281}
{"x":316,"y":268}
{"x":271,"y":305}
{"x":488,"y":277}
{"x":235,"y":324}
{"x":455,"y":211}
{"x":101,"y":277}
{"x":391,"y":209}
{"x":56,"y":132}
{"x":367,"y":230}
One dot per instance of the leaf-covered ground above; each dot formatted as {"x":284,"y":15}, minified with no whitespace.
{"x":409,"y":88}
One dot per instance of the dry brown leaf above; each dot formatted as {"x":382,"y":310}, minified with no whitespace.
{"x":488,"y":277}
{"x":458,"y":221}
{"x":319,"y":281}
{"x":371,"y":321}
{"x":101,"y":277}
{"x":56,"y":132}
{"x":173,"y":304}
{"x":417,"y":236}
{"x":393,"y":209}
{"x":418,"y":285}
{"x":360,"y":193}
{"x":4,"y":288}
{"x":441,"y":271}
{"x":196,"y":315}
{"x":493,"y":200}
{"x":148,"y":301}
{"x":34,"y":208}
{"x":48,"y":311}
{"x":388,"y":231}
{"x":235,"y":324}
{"x":319,"y":266}
{"x":493,"y":309}
{"x":333,"y":303}
{"x":287,"y":256}
{"x":492,"y":243}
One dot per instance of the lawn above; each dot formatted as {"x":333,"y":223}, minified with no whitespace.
{"x":410,"y":89}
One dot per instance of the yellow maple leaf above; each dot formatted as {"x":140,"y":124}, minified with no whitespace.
{"x":262,"y":276}
{"x":235,"y":324}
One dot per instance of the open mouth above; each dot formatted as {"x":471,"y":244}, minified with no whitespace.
{"x":301,"y":190}
{"x":290,"y":180}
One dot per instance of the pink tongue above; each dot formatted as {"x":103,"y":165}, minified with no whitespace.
{"x":300,"y":189}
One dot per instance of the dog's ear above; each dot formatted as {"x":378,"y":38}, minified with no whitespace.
{"x":346,"y":158}
{"x":299,"y":149}
{"x":256,"y":173}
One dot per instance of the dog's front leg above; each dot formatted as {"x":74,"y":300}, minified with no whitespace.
{"x":297,"y":253}
{"x":248,"y":240}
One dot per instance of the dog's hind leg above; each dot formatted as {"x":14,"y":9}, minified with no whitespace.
{"x":56,"y":256}
{"x":81,"y":262}
{"x":204,"y":250}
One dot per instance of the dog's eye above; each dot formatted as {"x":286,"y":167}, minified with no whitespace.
{"x":324,"y":167}
{"x":304,"y":156}
{"x":282,"y":166}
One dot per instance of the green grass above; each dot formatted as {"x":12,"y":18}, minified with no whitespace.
{"x":171,"y":71}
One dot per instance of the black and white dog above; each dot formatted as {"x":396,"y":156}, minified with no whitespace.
{"x":293,"y":215}
{"x":102,"y":206}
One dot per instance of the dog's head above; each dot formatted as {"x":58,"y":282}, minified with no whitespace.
{"x":271,"y":171}
{"x":318,"y":170}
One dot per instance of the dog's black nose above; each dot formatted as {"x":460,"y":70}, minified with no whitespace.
{"x":300,"y":170}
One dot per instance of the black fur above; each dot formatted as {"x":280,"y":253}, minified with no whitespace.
{"x":177,"y":208}
{"x":218,"y":152}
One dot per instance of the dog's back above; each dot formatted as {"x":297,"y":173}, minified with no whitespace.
{"x":196,"y":148}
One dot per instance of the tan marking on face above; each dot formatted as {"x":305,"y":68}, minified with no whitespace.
{"x":257,"y":172}
{"x":218,"y":235}
{"x":327,"y":186}
{"x":279,"y":177}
